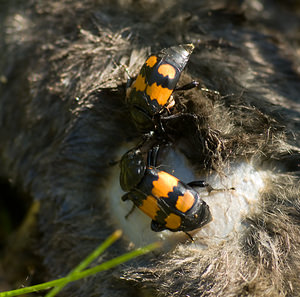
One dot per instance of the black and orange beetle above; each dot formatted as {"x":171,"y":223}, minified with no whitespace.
{"x":169,"y":202}
{"x":151,"y":92}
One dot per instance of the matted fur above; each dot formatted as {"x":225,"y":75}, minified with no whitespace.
{"x":63,"y":118}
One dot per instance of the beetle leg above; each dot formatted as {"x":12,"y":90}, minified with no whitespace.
{"x":191,"y":85}
{"x":130,"y":211}
{"x":221,"y":190}
{"x":129,"y":196}
{"x":162,"y":129}
{"x":209,"y":188}
{"x":180,"y":114}
{"x":210,"y":92}
{"x":130,"y":80}
{"x":198,"y":183}
{"x":202,"y":184}
{"x":152,"y":156}
{"x":189,"y":235}
{"x":126,"y":196}
{"x":192,"y":116}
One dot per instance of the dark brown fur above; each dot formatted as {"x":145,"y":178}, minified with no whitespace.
{"x":63,"y":118}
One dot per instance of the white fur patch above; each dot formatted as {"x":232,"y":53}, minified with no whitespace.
{"x":228,"y":207}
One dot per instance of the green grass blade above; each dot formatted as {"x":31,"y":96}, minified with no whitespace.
{"x":90,"y":258}
{"x":88,"y":272}
{"x":116,"y":261}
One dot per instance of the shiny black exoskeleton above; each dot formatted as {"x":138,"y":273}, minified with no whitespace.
{"x":151,"y":92}
{"x":169,"y":202}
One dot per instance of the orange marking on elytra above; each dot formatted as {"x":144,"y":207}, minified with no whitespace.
{"x":139,"y":84}
{"x":149,"y":206}
{"x":165,"y":184}
{"x":159,"y":93}
{"x":185,"y":202}
{"x":167,"y":70}
{"x":173,"y":221}
{"x":151,"y":61}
